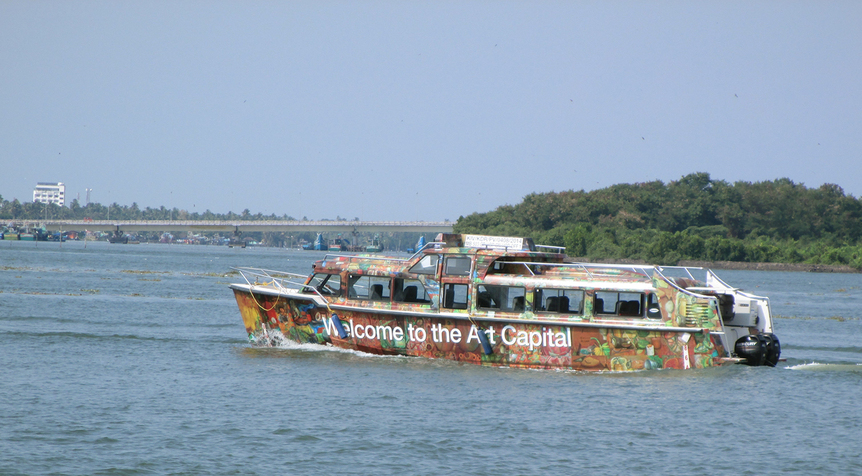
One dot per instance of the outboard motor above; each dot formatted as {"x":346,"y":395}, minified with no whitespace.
{"x":757,"y":350}
{"x":773,"y":349}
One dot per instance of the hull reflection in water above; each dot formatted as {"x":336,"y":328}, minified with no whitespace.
{"x":506,"y":302}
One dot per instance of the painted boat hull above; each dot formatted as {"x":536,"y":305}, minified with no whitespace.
{"x":584,"y":346}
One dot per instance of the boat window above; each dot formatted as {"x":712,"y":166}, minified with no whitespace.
{"x":375,"y":288}
{"x":457,"y":266}
{"x":500,"y":298}
{"x":455,"y":296}
{"x":409,"y":290}
{"x":619,"y":304}
{"x":326,"y":284}
{"x":503,"y":267}
{"x":427,"y":265}
{"x":563,"y":301}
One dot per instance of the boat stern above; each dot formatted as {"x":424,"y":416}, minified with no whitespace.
{"x":747,"y":323}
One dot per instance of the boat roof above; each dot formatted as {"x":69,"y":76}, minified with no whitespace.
{"x":508,"y":259}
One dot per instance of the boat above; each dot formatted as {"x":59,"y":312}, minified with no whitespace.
{"x":504,"y":301}
{"x":338,"y":244}
{"x":318,"y":244}
{"x":375,"y":246}
{"x":118,"y":238}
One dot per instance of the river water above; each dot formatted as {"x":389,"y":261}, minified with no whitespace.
{"x":132,"y":359}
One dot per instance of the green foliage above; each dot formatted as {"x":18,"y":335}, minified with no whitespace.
{"x":694,"y":218}
{"x":15,"y":210}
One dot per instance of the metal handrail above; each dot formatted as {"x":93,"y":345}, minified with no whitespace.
{"x":640,"y":269}
{"x":559,"y":249}
{"x":279,"y":282}
{"x":436,"y":243}
{"x":386,"y":258}
{"x":336,"y":255}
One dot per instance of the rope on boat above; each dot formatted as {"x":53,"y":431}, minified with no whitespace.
{"x":277,"y":298}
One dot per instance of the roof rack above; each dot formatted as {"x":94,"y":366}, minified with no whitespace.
{"x":328,"y":256}
{"x":593,"y":270}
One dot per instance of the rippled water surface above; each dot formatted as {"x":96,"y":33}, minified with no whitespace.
{"x":132,"y":359}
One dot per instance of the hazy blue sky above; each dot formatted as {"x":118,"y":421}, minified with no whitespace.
{"x":404,"y":110}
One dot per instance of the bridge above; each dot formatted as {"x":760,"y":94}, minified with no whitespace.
{"x":237,"y":227}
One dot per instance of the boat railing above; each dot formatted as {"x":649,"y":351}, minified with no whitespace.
{"x":559,"y":249}
{"x":601,"y":270}
{"x":266,"y":277}
{"x":660,"y":271}
{"x":278,"y":281}
{"x":329,"y":256}
{"x":383,"y":258}
{"x":593,"y":270}
{"x":436,"y":244}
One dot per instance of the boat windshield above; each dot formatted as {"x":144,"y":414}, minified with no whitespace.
{"x":427,"y":265}
{"x":326,"y":284}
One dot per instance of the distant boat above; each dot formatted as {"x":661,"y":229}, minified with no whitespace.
{"x":319,"y":245}
{"x":375,"y":246}
{"x":338,"y":244}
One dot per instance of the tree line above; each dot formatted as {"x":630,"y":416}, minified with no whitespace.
{"x":10,"y":211}
{"x":693,"y":218}
{"x":16,"y":210}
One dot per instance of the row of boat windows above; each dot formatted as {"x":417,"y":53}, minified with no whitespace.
{"x":375,"y":288}
{"x":490,"y":297}
{"x":452,"y":265}
{"x":562,"y":301}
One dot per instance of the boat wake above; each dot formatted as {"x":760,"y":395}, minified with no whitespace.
{"x":821,"y":367}
{"x":278,"y":341}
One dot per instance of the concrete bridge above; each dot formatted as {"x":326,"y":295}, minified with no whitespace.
{"x":132,"y":226}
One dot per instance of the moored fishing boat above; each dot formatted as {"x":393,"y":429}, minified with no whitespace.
{"x":507,"y":302}
{"x":375,"y":246}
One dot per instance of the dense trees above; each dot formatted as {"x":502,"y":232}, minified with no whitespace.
{"x":691,"y":218}
{"x":10,"y":211}
{"x":694,"y":217}
{"x":33,"y":211}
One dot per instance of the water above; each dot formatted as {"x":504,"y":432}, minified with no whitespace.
{"x":132,"y":359}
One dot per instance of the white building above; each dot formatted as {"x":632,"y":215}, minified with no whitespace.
{"x":50,"y":192}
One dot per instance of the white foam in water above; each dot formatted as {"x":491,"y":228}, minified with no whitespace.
{"x":285,"y":343}
{"x":816,"y":366}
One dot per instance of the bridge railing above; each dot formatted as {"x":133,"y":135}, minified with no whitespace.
{"x":237,"y":225}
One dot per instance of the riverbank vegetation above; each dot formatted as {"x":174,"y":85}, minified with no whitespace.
{"x":15,"y":210}
{"x":694,"y":218}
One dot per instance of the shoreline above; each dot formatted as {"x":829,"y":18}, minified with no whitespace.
{"x":799,"y":267}
{"x":745,"y":266}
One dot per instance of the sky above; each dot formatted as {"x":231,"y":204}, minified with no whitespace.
{"x":420,"y":110}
